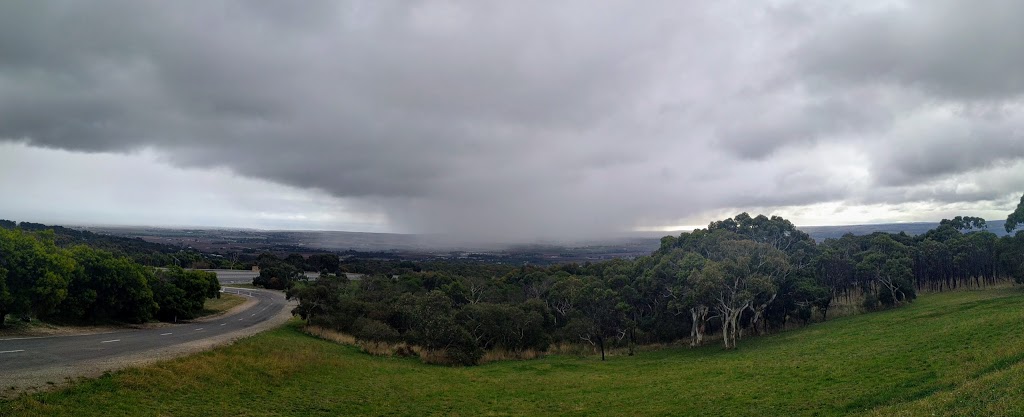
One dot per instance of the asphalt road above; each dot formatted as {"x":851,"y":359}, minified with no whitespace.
{"x":21,"y":358}
{"x":234,"y":276}
{"x":241,"y":276}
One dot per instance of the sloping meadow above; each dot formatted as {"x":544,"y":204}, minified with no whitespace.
{"x":954,"y":353}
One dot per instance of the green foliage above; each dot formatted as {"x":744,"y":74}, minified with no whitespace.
{"x":1010,"y":258}
{"x":6,"y":298}
{"x":374,"y":330}
{"x":278,"y":275}
{"x":965,"y":223}
{"x":1016,"y":218}
{"x":85,"y":284}
{"x":107,"y":287}
{"x":36,"y":274}
{"x":885,"y":271}
{"x":140,"y":251}
{"x":181,"y":293}
{"x":505,"y":326}
{"x":326,"y":302}
{"x":432,"y":324}
{"x":324,"y":262}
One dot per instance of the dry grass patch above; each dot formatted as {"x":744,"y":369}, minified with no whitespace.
{"x":497,"y":355}
{"x":214,"y":306}
{"x":402,"y":349}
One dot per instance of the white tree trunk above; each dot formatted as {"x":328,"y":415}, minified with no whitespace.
{"x":699,"y":316}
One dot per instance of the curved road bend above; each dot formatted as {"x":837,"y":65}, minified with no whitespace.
{"x":27,"y":361}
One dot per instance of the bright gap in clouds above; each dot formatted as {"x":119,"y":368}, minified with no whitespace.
{"x":139,"y":189}
{"x":60,"y":187}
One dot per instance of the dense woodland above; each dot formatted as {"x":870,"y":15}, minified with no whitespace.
{"x":83,"y":284}
{"x":739,"y":276}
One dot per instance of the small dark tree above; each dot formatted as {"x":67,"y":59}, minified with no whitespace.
{"x":181,"y":294}
{"x":600,"y":306}
{"x":320,"y":301}
{"x":1015,"y":218}
{"x":277,"y":276}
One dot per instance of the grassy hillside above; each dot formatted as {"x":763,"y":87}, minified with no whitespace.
{"x":220,"y":305}
{"x":947,"y":354}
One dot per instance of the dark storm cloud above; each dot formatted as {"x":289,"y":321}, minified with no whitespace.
{"x":951,"y":148}
{"x":529,"y":118}
{"x":954,"y":64}
{"x":953,"y":49}
{"x":769,"y":122}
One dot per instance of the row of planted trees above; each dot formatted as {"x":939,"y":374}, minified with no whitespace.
{"x":82,"y":284}
{"x":738,"y":276}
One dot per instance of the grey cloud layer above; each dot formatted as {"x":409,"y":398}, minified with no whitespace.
{"x":532,"y":118}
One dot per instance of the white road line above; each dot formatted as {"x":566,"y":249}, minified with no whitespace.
{"x":165,"y":334}
{"x":223,"y":324}
{"x":201,"y":328}
{"x":110,"y":341}
{"x":13,"y":351}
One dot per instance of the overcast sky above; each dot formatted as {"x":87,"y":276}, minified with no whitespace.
{"x":512,"y":119}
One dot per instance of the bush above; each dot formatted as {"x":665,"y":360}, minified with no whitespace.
{"x":181,"y":294}
{"x":374,"y":330}
{"x":462,"y":349}
{"x":870,"y":301}
{"x":107,"y":287}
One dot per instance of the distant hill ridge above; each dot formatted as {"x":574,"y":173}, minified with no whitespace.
{"x":820,"y":233}
{"x":130,"y":240}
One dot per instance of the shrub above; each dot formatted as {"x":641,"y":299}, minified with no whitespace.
{"x":374,"y":330}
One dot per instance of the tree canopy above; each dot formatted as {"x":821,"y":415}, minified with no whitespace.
{"x":84,"y":285}
{"x":1016,"y":218}
{"x":738,"y":276}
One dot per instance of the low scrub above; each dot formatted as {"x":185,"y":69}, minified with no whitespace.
{"x":403,"y":349}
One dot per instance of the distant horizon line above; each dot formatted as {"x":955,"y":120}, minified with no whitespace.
{"x":673,"y":229}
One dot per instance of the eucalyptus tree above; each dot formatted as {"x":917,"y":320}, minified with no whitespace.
{"x":747,"y":275}
{"x":321,"y":299}
{"x":833,"y":269}
{"x":1016,"y":218}
{"x":965,"y":223}
{"x":563,"y":296}
{"x":603,"y":317}
{"x":689,"y":293}
{"x":1011,"y":256}
{"x":887,"y":265}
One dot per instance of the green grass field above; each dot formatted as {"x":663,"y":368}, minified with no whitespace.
{"x":240,"y":286}
{"x":219,"y":305}
{"x":946,"y":354}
